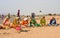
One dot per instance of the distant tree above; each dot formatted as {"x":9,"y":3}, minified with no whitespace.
{"x":0,"y":15}
{"x":40,"y":11}
{"x":14,"y":15}
{"x":54,"y":14}
{"x":50,"y":14}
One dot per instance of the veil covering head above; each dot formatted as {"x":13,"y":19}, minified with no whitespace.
{"x":25,"y":19}
{"x":16,"y":17}
{"x":6,"y":20}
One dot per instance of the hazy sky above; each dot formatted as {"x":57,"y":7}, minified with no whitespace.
{"x":29,"y":6}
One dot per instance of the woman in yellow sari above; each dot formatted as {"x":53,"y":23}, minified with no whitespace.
{"x":43,"y":21}
{"x":15,"y":23}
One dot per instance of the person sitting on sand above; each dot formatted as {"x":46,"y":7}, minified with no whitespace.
{"x":6,"y":23}
{"x":53,"y":22}
{"x":43,"y":21}
{"x":25,"y":22}
{"x":15,"y":23}
{"x":33,"y":22}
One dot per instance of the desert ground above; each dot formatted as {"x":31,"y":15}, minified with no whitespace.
{"x":34,"y":32}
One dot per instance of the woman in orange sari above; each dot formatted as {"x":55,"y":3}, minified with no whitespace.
{"x":25,"y":22}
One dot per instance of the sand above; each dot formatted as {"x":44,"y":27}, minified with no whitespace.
{"x":34,"y":32}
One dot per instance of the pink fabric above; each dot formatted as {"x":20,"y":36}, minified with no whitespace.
{"x":18,"y":28}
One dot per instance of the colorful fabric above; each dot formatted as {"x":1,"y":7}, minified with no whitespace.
{"x":36,"y":24}
{"x":6,"y":22}
{"x":53,"y":21}
{"x":33,"y":22}
{"x":42,"y":21}
{"x":18,"y":28}
{"x":24,"y":22}
{"x":15,"y":22}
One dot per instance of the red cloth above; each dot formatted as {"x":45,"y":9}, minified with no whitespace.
{"x":5,"y":21}
{"x":24,"y":22}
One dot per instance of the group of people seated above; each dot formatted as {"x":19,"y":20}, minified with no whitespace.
{"x":43,"y":22}
{"x":17,"y":23}
{"x":51,"y":23}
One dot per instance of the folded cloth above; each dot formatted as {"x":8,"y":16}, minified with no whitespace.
{"x":18,"y":28}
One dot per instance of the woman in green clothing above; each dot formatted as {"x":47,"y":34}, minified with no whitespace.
{"x":34,"y":23}
{"x":43,"y":21}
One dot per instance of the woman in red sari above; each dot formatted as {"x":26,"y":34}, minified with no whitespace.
{"x":6,"y":23}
